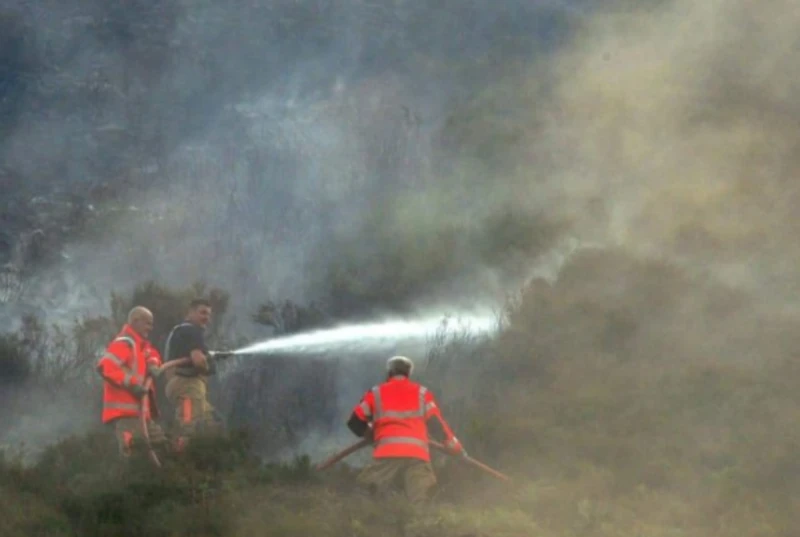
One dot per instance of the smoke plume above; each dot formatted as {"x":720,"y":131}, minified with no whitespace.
{"x":670,"y":133}
{"x":267,"y":148}
{"x":423,"y":153}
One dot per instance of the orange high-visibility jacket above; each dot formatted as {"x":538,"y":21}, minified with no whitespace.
{"x":123,"y":365}
{"x":399,"y":410}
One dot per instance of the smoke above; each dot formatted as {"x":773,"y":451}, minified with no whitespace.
{"x":672,"y":134}
{"x":655,"y":129}
{"x":665,"y":137}
{"x":254,"y":147}
{"x":430,"y":153}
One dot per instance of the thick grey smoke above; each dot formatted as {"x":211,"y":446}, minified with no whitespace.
{"x":266,"y":147}
{"x":664,"y":131}
{"x":672,"y":134}
{"x":257,"y":145}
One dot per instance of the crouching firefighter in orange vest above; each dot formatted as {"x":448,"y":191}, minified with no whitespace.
{"x":127,"y":362}
{"x":395,"y":413}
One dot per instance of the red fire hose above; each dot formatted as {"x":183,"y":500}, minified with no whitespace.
{"x":333,"y":459}
{"x":336,"y":457}
{"x":144,"y":408}
{"x":474,"y":462}
{"x":144,"y":413}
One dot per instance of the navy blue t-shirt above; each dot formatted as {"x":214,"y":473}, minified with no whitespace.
{"x":184,"y":338}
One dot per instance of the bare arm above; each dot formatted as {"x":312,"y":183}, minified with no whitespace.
{"x":199,"y":360}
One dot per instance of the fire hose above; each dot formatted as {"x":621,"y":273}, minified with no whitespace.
{"x":333,"y":459}
{"x":144,"y":413}
{"x":474,"y":462}
{"x":336,"y":457}
{"x":144,"y":407}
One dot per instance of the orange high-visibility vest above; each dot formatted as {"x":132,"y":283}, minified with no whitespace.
{"x":123,"y":365}
{"x":399,"y":410}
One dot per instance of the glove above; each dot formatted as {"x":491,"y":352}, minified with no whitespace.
{"x":138,"y":390}
{"x":154,"y":371}
{"x":454,"y":447}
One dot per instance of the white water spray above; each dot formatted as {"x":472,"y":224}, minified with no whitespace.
{"x":374,"y":334}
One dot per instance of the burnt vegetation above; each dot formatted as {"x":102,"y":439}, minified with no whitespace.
{"x":607,"y":424}
{"x":630,"y":395}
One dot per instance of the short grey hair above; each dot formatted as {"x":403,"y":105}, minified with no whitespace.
{"x":400,"y":365}
{"x":138,"y":311}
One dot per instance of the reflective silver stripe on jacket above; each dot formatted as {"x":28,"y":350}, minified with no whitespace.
{"x":131,"y":373}
{"x":130,"y":379}
{"x":132,"y":343}
{"x":121,"y":406}
{"x":114,"y":358}
{"x":399,"y":414}
{"x":365,"y":408}
{"x":394,"y":440}
{"x":376,"y":392}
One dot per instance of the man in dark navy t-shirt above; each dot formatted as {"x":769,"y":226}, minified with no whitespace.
{"x":187,"y":385}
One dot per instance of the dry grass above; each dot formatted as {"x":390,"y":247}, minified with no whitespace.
{"x":632,"y":397}
{"x":674,"y":441}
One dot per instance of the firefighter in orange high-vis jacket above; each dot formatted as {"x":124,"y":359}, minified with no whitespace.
{"x":395,"y":414}
{"x":127,"y":362}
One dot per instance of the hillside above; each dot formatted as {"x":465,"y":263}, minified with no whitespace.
{"x":629,"y":196}
{"x":609,"y":425}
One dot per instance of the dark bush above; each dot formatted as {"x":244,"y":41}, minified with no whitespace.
{"x":14,"y":365}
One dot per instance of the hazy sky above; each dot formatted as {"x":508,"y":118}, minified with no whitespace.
{"x":255,"y":139}
{"x":269,"y":143}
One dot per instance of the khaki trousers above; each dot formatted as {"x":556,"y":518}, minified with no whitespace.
{"x":130,"y":437}
{"x":414,"y":477}
{"x":193,"y":413}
